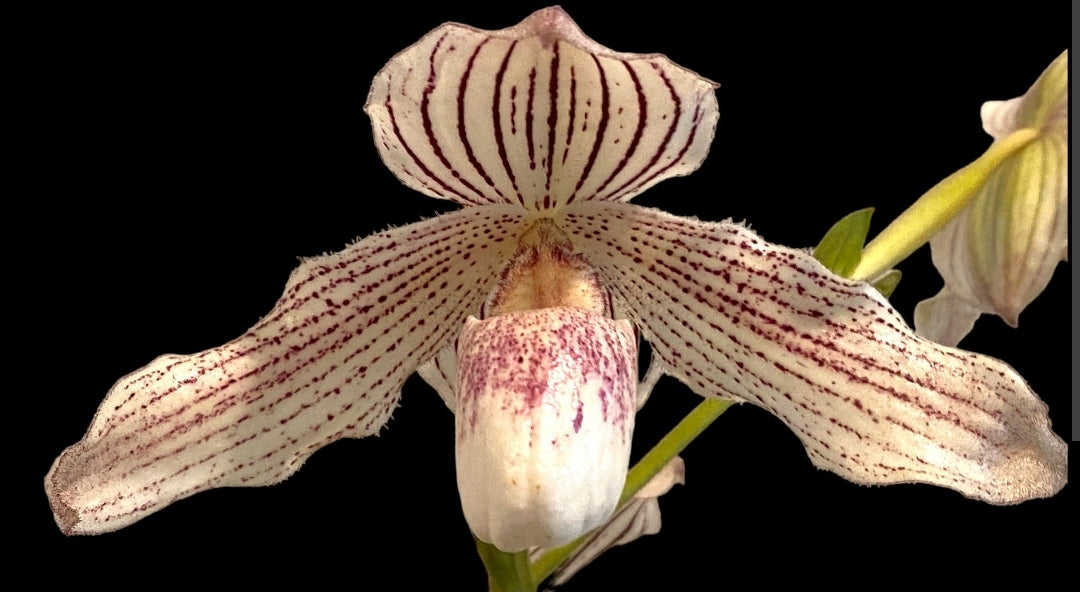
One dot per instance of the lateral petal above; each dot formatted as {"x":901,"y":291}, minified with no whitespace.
{"x":327,"y":363}
{"x":537,"y":115}
{"x":945,"y":318}
{"x":733,"y":316}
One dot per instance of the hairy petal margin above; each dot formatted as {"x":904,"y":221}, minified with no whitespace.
{"x":326,"y":363}
{"x":733,"y":316}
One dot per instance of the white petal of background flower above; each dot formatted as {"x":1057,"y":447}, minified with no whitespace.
{"x":194,"y":161}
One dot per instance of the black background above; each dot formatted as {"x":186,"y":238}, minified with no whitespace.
{"x":181,"y":160}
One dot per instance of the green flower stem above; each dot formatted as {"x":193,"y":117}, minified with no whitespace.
{"x":668,"y":448}
{"x":507,"y":572}
{"x":672,"y":444}
{"x":911,"y":229}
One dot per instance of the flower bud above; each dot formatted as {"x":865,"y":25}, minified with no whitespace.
{"x":999,"y":253}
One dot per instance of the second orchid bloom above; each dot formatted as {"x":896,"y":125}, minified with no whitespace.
{"x":999,"y":253}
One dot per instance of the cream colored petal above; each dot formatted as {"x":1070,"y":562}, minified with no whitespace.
{"x":945,"y":318}
{"x":326,"y":363}
{"x":733,"y":316}
{"x":537,"y":115}
{"x":440,"y":373}
{"x":648,"y":382}
{"x":545,"y":415}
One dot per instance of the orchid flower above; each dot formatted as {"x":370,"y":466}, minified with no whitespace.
{"x":998,"y":254}
{"x":828,"y":356}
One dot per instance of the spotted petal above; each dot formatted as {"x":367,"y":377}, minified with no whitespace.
{"x":327,"y":363}
{"x":733,"y":316}
{"x":537,"y":115}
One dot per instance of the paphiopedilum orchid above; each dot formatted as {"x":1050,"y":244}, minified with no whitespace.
{"x":999,"y":253}
{"x":508,"y":255}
